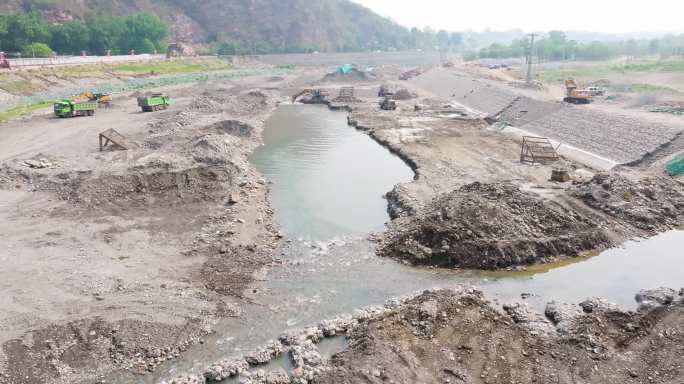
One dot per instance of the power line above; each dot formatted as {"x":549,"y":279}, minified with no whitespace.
{"x":529,"y":58}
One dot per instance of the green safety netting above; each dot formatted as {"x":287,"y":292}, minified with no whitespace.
{"x":676,"y":167}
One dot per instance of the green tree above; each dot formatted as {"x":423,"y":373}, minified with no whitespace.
{"x":37,"y":50}
{"x":70,"y":38}
{"x":24,"y":29}
{"x":141,"y":27}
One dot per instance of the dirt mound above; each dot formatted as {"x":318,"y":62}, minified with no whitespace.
{"x":57,"y":353}
{"x":247,"y":103}
{"x":206,"y":104}
{"x":353,"y":75}
{"x":214,"y":149}
{"x":404,"y":94}
{"x":446,"y":337}
{"x":141,"y":188}
{"x":235,"y":128}
{"x":490,"y":226}
{"x":653,"y":204}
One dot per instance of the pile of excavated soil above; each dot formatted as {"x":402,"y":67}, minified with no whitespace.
{"x":446,"y":337}
{"x":653,"y":204}
{"x":490,"y":226}
{"x":354,"y":75}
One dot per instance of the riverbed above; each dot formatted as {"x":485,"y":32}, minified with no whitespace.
{"x":328,"y":181}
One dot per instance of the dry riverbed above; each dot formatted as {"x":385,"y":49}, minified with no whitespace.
{"x":123,"y":259}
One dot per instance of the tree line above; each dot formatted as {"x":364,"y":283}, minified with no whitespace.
{"x":29,"y":34}
{"x":393,"y":38}
{"x":556,"y":46}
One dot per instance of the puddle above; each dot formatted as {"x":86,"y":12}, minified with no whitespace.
{"x":328,"y":181}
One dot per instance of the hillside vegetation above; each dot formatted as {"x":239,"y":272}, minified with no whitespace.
{"x":252,"y":26}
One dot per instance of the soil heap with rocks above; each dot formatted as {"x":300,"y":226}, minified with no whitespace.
{"x":651,"y":204}
{"x":449,"y":337}
{"x":489,"y":226}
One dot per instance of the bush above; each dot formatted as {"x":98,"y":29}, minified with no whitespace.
{"x":37,"y":50}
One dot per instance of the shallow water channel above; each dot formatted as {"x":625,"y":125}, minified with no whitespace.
{"x":328,"y":181}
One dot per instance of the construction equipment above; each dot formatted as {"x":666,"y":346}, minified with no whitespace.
{"x":154,"y":102}
{"x":317,"y":96}
{"x":71,"y":108}
{"x":117,"y":140}
{"x":4,"y":63}
{"x":102,"y":99}
{"x":385,"y":91}
{"x":388,"y":104}
{"x":574,"y":94}
{"x":346,"y":95}
{"x":537,"y":150}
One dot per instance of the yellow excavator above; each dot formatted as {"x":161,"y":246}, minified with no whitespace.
{"x":103,"y":99}
{"x":575,"y":95}
{"x":317,"y":95}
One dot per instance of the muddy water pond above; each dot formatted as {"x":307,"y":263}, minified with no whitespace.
{"x":328,"y":181}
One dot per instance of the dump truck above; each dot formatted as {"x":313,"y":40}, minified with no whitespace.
{"x":154,"y":102}
{"x":71,"y":108}
{"x":575,"y":95}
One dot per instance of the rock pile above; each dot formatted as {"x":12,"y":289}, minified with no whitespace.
{"x":652,"y":204}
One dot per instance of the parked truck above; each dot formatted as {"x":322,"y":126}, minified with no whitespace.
{"x":71,"y":108}
{"x":154,"y":102}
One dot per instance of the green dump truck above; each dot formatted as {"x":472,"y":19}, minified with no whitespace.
{"x":154,"y":102}
{"x":71,"y":108}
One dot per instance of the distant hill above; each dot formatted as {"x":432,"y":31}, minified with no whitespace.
{"x":263,"y":25}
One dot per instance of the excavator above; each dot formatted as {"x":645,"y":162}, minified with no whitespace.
{"x":103,"y":99}
{"x":575,"y":95}
{"x":317,"y":95}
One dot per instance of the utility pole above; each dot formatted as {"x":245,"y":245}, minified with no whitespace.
{"x":529,"y":59}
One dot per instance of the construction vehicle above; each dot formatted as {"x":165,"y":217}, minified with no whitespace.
{"x":317,"y":96}
{"x":385,"y":91}
{"x":4,"y":62}
{"x":102,"y":99}
{"x":154,"y":102}
{"x":72,"y":108}
{"x":575,"y":95}
{"x":388,"y":104}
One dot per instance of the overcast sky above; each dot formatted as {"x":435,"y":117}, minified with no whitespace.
{"x":613,"y":16}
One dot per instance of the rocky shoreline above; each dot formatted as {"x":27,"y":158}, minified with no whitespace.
{"x":449,"y":325}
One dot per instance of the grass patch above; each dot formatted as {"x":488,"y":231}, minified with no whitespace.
{"x":560,"y":75}
{"x":657,"y":66}
{"x":170,"y":67}
{"x":20,"y":87}
{"x":645,"y":88}
{"x":16,"y":112}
